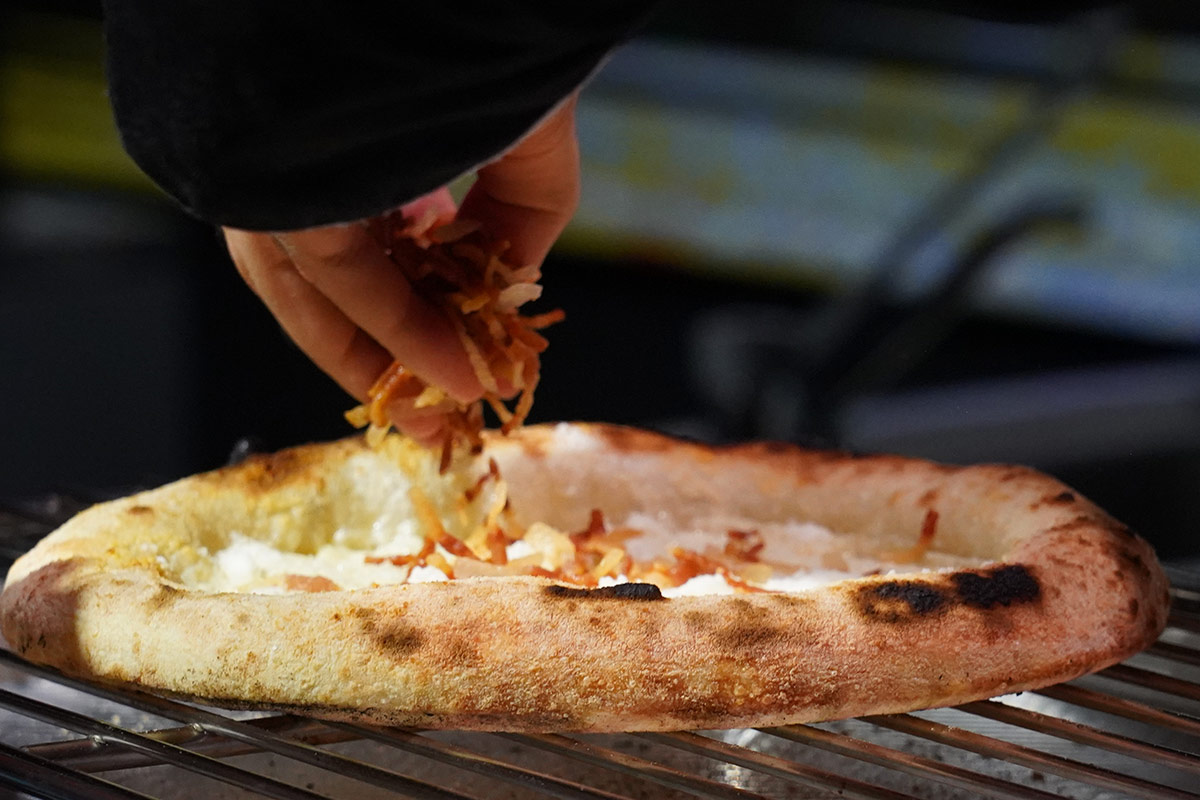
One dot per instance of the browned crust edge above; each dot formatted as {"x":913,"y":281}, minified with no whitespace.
{"x":1074,"y":591}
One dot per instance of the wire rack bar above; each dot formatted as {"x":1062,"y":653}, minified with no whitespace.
{"x":88,"y":755}
{"x":791,"y":771}
{"x":1185,"y":621}
{"x":1148,"y":679}
{"x":1121,"y":707}
{"x":1175,"y":652}
{"x":1184,"y":603}
{"x":880,"y":755}
{"x":1082,"y":734}
{"x":1184,"y":591}
{"x":487,"y":766}
{"x":215,"y":723}
{"x":1186,"y":598}
{"x":1184,"y":580}
{"x":1028,"y":757}
{"x":626,"y":764}
{"x":165,"y":753}
{"x":40,"y":777}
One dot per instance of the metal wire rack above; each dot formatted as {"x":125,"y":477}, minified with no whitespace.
{"x":1132,"y":730}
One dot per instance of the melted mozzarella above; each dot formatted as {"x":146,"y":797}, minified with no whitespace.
{"x":802,"y":555}
{"x":250,"y":565}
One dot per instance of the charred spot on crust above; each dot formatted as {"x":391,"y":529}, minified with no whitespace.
{"x":621,"y":591}
{"x":365,"y":617}
{"x":1062,"y":498}
{"x":165,"y":595}
{"x":1012,"y":473}
{"x":460,"y":650}
{"x":1081,"y":521}
{"x":139,"y":510}
{"x":701,"y":709}
{"x":1001,"y":586}
{"x":744,"y":608}
{"x":898,"y":601}
{"x":1136,"y":562}
{"x":749,"y":637}
{"x":394,"y":638}
{"x":920,"y":597}
{"x":400,"y":640}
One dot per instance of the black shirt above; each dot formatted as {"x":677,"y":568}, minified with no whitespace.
{"x":270,"y":115}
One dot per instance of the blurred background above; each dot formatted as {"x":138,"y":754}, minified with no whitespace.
{"x":876,"y":226}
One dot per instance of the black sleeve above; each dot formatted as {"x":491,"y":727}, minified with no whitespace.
{"x":271,"y":115}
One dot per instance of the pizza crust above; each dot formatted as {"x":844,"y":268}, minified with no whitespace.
{"x":1065,"y":590}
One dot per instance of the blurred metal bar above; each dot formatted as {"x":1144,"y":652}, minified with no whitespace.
{"x":1184,"y":601}
{"x":163,"y":752}
{"x":1175,"y":652}
{"x":475,"y":762}
{"x":1028,"y":757}
{"x":89,"y":755}
{"x":1082,"y":734}
{"x":1153,"y":680}
{"x":1184,"y":620}
{"x":791,"y":771}
{"x":1129,"y":709}
{"x":632,"y":765}
{"x":949,"y":774}
{"x":40,"y":777}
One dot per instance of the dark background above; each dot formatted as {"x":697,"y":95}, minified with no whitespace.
{"x":131,"y":353}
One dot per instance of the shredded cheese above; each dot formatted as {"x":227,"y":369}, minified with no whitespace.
{"x":456,"y":267}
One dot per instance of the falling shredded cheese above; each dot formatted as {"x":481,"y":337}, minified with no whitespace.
{"x":457,"y":268}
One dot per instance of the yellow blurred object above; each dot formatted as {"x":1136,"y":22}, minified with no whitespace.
{"x":55,"y":119}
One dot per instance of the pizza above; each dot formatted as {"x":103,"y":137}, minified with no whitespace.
{"x":584,"y":577}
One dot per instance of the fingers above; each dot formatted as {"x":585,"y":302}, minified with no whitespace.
{"x":334,"y":342}
{"x":326,"y":335}
{"x":530,"y":193}
{"x":351,"y":310}
{"x":427,"y":431}
{"x":346,"y":265}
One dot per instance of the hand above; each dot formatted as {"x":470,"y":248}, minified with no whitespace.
{"x":349,"y":308}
